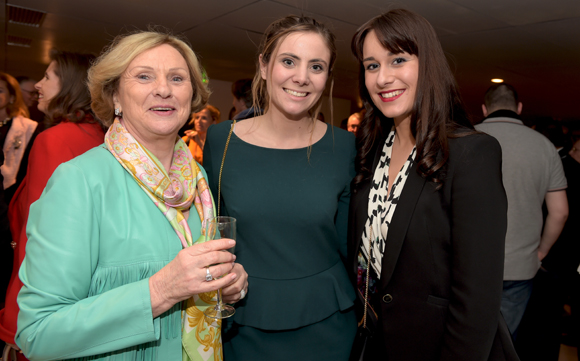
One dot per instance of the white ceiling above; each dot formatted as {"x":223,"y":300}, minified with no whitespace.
{"x":533,"y":44}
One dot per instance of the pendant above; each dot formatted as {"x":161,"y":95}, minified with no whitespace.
{"x":17,"y":142}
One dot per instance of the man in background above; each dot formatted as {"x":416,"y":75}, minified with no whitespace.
{"x":243,"y":100}
{"x":532,"y":173}
{"x":354,"y":122}
{"x":30,"y":97}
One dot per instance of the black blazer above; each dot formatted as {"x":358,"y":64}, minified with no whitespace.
{"x":442,"y":269}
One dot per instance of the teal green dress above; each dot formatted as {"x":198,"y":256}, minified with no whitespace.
{"x":292,"y":211}
{"x":94,"y":239}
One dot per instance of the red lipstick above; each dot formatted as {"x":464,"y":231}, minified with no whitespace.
{"x":386,"y":100}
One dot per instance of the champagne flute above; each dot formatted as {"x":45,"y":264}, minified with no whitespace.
{"x":216,"y":228}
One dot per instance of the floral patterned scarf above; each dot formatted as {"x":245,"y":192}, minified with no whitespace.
{"x":174,"y":193}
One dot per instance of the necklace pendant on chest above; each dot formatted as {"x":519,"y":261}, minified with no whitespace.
{"x":17,"y":142}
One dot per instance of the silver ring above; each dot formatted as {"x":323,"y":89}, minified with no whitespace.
{"x":208,"y":276}
{"x":242,"y":294}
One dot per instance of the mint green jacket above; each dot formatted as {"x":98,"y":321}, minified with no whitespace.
{"x":94,"y":239}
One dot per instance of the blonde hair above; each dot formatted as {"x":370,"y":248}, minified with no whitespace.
{"x":273,"y":37}
{"x":104,"y":75}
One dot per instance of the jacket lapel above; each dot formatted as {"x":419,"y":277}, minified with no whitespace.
{"x":400,"y":223}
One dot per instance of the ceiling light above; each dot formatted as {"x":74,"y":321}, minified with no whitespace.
{"x":497,"y":80}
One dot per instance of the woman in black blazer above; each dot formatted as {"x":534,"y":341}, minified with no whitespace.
{"x":436,"y":238}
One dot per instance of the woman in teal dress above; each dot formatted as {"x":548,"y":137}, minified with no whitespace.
{"x":286,"y":180}
{"x":113,"y":270}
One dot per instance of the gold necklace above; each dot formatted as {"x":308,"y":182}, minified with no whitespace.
{"x":3,"y":122}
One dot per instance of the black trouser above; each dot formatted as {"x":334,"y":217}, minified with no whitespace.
{"x":540,"y":332}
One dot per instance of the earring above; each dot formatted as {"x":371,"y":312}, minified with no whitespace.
{"x":118,"y":112}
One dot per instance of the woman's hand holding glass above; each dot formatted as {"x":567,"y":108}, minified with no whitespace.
{"x":185,"y":275}
{"x":238,"y":289}
{"x":225,"y":227}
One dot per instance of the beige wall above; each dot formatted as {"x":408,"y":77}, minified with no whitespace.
{"x":341,"y":109}
{"x":221,"y":96}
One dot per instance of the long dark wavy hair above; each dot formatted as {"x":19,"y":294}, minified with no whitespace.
{"x":73,"y":101}
{"x":438,"y":111}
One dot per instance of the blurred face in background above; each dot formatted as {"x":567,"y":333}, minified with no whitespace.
{"x":48,"y":87}
{"x":5,"y":96}
{"x":352,"y":125}
{"x":239,"y":105}
{"x":202,"y":120}
{"x":29,"y":93}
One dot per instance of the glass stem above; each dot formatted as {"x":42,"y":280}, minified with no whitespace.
{"x":220,"y":304}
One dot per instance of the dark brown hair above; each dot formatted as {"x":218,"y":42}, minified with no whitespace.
{"x":274,"y":35}
{"x":438,"y":112}
{"x":242,"y":89}
{"x":15,"y":106}
{"x":73,"y":101}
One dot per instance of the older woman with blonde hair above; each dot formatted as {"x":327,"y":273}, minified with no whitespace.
{"x":124,"y":251}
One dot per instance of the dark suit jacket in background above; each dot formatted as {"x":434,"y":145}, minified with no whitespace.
{"x":443,"y":262}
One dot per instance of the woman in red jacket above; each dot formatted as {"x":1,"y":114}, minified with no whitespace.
{"x":71,"y":130}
